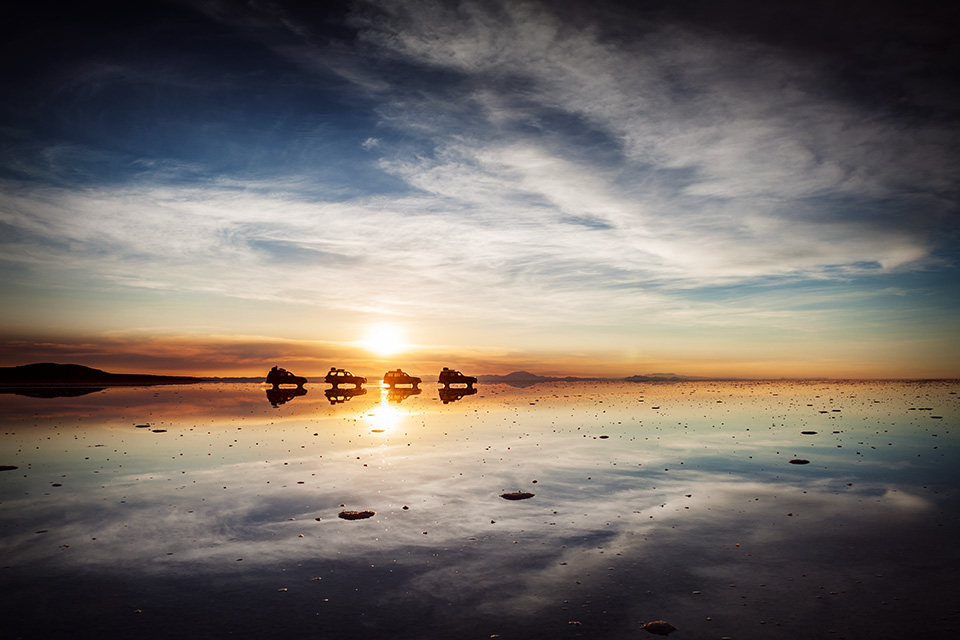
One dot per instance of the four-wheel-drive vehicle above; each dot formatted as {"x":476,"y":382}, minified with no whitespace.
{"x":278,"y":376}
{"x":450,"y":376}
{"x":395,"y":377}
{"x":337,"y":377}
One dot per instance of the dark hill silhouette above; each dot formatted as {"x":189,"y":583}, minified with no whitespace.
{"x":523,"y":375}
{"x":515,"y":379}
{"x":53,"y":374}
{"x":526,"y":379}
{"x":659,"y":377}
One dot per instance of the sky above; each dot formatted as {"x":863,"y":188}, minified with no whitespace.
{"x":737,"y":189}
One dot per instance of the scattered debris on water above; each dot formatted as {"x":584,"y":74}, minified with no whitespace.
{"x":356,"y":515}
{"x":516,"y":495}
{"x":659,"y":627}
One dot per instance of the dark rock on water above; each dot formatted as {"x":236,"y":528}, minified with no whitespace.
{"x":356,"y":515}
{"x":799,"y":461}
{"x":659,"y":627}
{"x":516,"y":495}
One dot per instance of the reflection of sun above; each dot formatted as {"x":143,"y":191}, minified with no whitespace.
{"x":384,"y":340}
{"x":385,"y":417}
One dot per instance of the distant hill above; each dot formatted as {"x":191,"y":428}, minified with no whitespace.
{"x":234,"y":379}
{"x":515,"y":376}
{"x":526,"y":379}
{"x":53,"y":374}
{"x":659,"y":377}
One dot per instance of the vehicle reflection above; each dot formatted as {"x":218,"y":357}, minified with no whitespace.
{"x":278,"y":396}
{"x":338,"y":395}
{"x":449,"y":394}
{"x":399,"y":394}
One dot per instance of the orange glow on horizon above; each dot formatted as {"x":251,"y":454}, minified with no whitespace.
{"x":252,"y":356}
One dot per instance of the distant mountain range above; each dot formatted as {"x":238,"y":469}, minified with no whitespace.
{"x":655,"y":377}
{"x":49,"y":374}
{"x":52,"y":374}
{"x":525,"y":378}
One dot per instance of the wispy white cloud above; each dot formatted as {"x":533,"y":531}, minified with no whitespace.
{"x":752,"y":130}
{"x":538,"y":172}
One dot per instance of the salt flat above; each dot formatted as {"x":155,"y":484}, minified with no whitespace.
{"x":208,"y":511}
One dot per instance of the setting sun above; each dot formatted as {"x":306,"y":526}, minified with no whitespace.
{"x":384,"y":340}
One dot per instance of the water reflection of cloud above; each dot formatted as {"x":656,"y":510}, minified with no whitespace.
{"x":258,"y":510}
{"x":616,"y":521}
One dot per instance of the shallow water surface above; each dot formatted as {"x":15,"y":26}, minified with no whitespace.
{"x":208,"y":511}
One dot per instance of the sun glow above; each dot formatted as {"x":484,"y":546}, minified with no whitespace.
{"x":384,"y":340}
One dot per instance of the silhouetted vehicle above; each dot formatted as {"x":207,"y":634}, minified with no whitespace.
{"x":451,"y":394}
{"x":337,"y":396}
{"x":278,"y":376}
{"x":398,"y":395}
{"x":449,"y":376}
{"x":336,"y":377}
{"x":278,"y":396}
{"x":395,"y":377}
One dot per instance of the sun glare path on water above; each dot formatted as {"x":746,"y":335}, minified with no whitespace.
{"x":384,"y":418}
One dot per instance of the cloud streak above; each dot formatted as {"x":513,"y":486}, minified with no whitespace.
{"x":490,"y":163}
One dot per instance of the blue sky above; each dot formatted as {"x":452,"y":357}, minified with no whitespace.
{"x":604,"y":188}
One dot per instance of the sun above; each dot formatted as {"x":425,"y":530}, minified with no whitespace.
{"x":384,"y":340}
